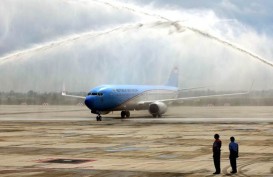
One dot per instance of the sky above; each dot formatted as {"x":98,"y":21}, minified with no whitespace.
{"x":85,"y":43}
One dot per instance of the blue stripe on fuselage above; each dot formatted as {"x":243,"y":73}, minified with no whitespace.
{"x":115,"y":95}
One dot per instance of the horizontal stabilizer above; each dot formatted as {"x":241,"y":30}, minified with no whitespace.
{"x":73,"y":96}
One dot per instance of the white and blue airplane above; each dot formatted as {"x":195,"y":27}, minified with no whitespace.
{"x":125,"y":98}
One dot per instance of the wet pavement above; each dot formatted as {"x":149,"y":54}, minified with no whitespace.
{"x":67,"y":141}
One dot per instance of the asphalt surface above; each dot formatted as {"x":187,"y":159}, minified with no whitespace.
{"x":68,"y":141}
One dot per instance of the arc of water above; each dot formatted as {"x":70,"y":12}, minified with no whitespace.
{"x":197,"y":31}
{"x":232,"y":46}
{"x":92,"y":34}
{"x":95,"y":34}
{"x":60,"y":42}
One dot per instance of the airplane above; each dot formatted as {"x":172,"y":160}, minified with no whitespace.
{"x":104,"y":99}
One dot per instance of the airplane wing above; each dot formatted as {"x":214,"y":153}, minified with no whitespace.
{"x":73,"y":96}
{"x":192,"y":88}
{"x":195,"y":97}
{"x":199,"y":97}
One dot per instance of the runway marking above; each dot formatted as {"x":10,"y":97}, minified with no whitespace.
{"x":141,"y":120}
{"x":66,"y":161}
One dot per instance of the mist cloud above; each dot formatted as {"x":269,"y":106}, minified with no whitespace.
{"x":142,"y":51}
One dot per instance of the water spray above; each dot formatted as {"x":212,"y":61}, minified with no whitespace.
{"x":60,"y":42}
{"x":88,"y":35}
{"x":179,"y":26}
{"x":197,"y":31}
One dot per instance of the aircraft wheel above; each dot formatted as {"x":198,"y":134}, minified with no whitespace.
{"x":123,"y":114}
{"x":98,"y":118}
{"x":127,"y":114}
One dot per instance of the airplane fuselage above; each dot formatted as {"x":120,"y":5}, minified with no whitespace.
{"x":106,"y":98}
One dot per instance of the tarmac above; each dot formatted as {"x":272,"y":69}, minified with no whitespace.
{"x":67,"y":141}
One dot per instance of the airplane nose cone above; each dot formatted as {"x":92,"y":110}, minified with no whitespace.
{"x":89,"y":102}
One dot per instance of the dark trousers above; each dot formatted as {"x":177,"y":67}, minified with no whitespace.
{"x":233,"y":164}
{"x":216,"y":160}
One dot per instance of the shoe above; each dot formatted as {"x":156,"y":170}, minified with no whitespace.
{"x":233,"y":172}
{"x":215,"y":173}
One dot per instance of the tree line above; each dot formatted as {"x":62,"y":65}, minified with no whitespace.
{"x":255,"y":98}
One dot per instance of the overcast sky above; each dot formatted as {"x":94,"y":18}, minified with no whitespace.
{"x":83,"y":43}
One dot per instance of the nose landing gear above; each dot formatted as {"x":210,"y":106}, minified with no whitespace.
{"x":156,"y":115}
{"x":98,"y":117}
{"x":124,"y":114}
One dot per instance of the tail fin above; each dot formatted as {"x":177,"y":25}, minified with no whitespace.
{"x":173,"y":79}
{"x":63,"y":89}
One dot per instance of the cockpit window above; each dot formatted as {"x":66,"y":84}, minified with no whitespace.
{"x":95,"y":94}
{"x":92,"y":93}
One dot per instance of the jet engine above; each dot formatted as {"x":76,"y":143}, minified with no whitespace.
{"x":157,"y":108}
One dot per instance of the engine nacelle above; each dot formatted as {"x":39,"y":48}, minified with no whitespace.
{"x":157,"y":108}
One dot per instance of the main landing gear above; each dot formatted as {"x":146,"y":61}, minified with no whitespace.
{"x":124,"y":114}
{"x":156,"y":115}
{"x":98,"y":117}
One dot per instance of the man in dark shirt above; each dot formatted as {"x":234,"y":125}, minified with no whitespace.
{"x":216,"y":149}
{"x":234,"y":153}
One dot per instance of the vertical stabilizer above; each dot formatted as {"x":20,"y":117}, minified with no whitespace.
{"x":63,"y":89}
{"x":173,"y":78}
